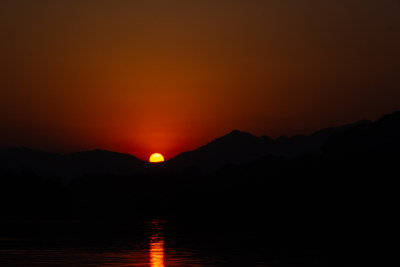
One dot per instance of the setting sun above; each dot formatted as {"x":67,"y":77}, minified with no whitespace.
{"x":156,"y":157}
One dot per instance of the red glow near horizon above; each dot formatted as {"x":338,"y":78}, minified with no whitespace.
{"x":137,"y":77}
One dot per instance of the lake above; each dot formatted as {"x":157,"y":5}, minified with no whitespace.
{"x":147,"y":244}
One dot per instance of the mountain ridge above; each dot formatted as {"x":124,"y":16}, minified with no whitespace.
{"x":242,"y":147}
{"x":236,"y":147}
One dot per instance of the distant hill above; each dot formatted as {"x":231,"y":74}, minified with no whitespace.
{"x":236,"y":148}
{"x":361,"y":139}
{"x":103,"y":162}
{"x":75,"y":164}
{"x":24,"y":159}
{"x":378,"y":139}
{"x":241,"y":147}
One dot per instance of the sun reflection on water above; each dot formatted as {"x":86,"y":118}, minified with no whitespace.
{"x":156,"y":247}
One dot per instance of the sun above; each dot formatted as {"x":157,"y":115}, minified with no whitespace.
{"x":156,"y":157}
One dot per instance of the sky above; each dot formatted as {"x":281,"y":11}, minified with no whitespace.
{"x":169,"y":76}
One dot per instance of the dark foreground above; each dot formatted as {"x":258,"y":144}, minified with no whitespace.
{"x":158,"y":243}
{"x":337,"y":208}
{"x":310,"y":211}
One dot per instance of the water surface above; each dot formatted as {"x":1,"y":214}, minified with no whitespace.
{"x":147,"y":245}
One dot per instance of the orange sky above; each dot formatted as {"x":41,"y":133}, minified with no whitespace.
{"x":168,"y":76}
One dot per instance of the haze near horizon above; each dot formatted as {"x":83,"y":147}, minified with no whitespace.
{"x":153,"y":76}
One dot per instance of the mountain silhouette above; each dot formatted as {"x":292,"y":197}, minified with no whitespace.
{"x":234,"y":148}
{"x":104,"y":162}
{"x":240,"y":147}
{"x":24,"y":159}
{"x":360,"y":139}
{"x":378,"y":139}
{"x":337,"y":178}
{"x":93,"y":162}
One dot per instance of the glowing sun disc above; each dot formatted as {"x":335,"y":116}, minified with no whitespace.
{"x":156,"y":157}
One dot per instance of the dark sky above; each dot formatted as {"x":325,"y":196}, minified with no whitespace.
{"x":169,"y":76}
